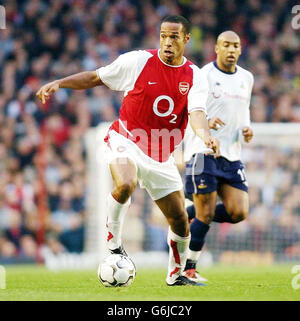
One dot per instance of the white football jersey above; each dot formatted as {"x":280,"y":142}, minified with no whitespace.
{"x":228,"y":99}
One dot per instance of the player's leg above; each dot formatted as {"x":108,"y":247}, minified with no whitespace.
{"x":233,"y":190}
{"x":124,"y":175}
{"x":233,"y":209}
{"x":202,"y":183}
{"x":221,"y":215}
{"x":173,"y":208}
{"x":204,"y":205}
{"x":236,"y":202}
{"x":165,"y":188}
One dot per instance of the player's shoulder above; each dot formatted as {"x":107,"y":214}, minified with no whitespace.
{"x":246,"y":73}
{"x":196,"y":70}
{"x":208,"y":67}
{"x":136,"y":54}
{"x":133,"y":59}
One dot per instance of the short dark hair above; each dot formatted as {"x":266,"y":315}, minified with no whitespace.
{"x":179,"y":19}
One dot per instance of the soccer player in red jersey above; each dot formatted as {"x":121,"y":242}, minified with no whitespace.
{"x":161,"y":88}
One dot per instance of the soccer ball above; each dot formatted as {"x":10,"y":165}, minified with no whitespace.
{"x":116,"y":270}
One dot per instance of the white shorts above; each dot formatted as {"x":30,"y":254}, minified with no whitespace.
{"x":159,"y":179}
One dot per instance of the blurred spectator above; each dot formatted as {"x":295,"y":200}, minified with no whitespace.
{"x":66,"y":220}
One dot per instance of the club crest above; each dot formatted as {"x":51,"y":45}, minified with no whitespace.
{"x":202,"y":184}
{"x":184,"y":87}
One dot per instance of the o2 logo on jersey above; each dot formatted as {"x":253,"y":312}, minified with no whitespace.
{"x":217,"y":91}
{"x":168,"y":112}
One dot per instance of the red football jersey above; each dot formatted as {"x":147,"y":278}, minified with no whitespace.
{"x":158,"y":98}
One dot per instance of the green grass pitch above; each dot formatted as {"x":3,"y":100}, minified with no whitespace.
{"x":272,"y":283}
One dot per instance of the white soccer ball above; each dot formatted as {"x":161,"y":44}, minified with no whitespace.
{"x":116,"y":270}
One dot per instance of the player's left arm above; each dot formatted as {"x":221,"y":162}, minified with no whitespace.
{"x":247,"y":131}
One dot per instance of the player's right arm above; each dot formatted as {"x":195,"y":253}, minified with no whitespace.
{"x":197,"y":99}
{"x":247,"y":131}
{"x":120,"y":75}
{"x":199,"y":124}
{"x":82,"y":80}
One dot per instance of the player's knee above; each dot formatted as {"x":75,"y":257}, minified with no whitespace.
{"x":205,"y":217}
{"x":125,"y":190}
{"x":206,"y":211}
{"x":239,"y":215}
{"x":179,"y":223}
{"x":180,"y":216}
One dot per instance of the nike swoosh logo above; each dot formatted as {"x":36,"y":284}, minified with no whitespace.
{"x":152,"y":82}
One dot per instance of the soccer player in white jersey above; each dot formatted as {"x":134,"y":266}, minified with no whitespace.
{"x":161,"y":88}
{"x":208,"y":177}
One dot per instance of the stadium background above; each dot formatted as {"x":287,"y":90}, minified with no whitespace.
{"x":43,"y":156}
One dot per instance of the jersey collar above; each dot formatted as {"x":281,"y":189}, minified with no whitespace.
{"x":225,"y":72}
{"x":184,"y":61}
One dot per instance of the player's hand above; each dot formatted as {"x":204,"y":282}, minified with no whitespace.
{"x":215,"y":123}
{"x":213,"y":144}
{"x":247,"y":133}
{"x":47,"y":90}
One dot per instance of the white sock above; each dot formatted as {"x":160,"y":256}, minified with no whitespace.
{"x":178,"y":247}
{"x":193,"y":255}
{"x":115,"y":218}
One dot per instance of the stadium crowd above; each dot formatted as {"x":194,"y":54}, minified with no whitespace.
{"x":42,"y":155}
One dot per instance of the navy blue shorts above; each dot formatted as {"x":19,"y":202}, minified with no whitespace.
{"x":204,"y":174}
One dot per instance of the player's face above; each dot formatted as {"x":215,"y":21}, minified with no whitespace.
{"x":172,"y":42}
{"x":228,"y":51}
